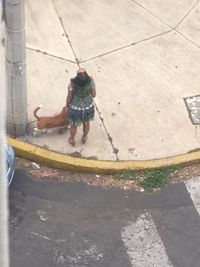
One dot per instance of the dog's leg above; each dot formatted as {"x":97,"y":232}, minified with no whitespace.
{"x":44,"y":131}
{"x":48,"y":131}
{"x":38,"y":132}
{"x":35,"y":131}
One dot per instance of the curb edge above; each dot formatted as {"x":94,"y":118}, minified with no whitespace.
{"x":61,"y":161}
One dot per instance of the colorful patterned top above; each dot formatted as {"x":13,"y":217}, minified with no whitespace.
{"x":81,"y":108}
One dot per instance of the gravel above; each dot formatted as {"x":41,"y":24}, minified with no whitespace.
{"x":105,"y":181}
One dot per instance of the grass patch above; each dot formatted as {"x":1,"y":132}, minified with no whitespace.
{"x":127,"y":175}
{"x":150,"y":179}
{"x":156,"y":178}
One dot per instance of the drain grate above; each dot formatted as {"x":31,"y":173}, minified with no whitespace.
{"x":193,"y":106}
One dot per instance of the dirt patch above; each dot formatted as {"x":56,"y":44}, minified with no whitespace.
{"x":106,"y":181}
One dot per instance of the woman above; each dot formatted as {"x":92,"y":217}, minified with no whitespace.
{"x":80,"y":104}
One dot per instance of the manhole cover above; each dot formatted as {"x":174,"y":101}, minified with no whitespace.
{"x":193,"y":107}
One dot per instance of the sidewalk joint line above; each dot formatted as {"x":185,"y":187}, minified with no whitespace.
{"x":67,"y":36}
{"x":150,"y":12}
{"x":115,"y":150}
{"x":188,"y":12}
{"x":126,"y":46}
{"x":186,"y":38}
{"x":50,"y":55}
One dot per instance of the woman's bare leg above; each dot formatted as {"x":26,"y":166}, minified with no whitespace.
{"x":72,"y":131}
{"x":86,"y":129}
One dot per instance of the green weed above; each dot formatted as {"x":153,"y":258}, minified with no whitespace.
{"x":156,"y":178}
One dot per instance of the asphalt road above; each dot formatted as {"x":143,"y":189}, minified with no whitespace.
{"x":76,"y":225}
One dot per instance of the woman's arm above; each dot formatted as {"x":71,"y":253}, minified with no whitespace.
{"x":93,"y":92}
{"x":93,"y":88}
{"x":70,"y":95}
{"x":69,"y":98}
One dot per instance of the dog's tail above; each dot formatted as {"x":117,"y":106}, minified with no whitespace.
{"x":35,"y":112}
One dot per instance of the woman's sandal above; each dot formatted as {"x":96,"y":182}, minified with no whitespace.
{"x":84,"y":139}
{"x":71,"y":142}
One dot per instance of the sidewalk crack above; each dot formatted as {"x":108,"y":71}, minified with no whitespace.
{"x":110,"y":139}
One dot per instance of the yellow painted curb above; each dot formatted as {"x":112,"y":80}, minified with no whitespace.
{"x":61,"y":161}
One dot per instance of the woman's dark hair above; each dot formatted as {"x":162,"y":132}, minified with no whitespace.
{"x":81,"y":79}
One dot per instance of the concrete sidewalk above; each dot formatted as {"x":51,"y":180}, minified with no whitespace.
{"x":145,"y":59}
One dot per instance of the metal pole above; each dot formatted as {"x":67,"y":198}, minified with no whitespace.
{"x":4,"y":243}
{"x":16,"y":67}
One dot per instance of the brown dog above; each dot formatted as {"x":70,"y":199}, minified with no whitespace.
{"x":49,"y":122}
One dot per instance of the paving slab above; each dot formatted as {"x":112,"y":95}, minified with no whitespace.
{"x":44,"y":31}
{"x":97,"y":27}
{"x":190,"y":26}
{"x":140,"y":96}
{"x":47,"y":82}
{"x":98,"y":147}
{"x":171,"y":12}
